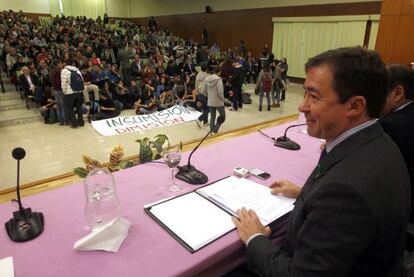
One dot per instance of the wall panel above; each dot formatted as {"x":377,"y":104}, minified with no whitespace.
{"x":404,"y":41}
{"x":254,"y":26}
{"x":391,"y":7}
{"x":395,"y":38}
{"x":387,"y":34}
{"x":408,"y":7}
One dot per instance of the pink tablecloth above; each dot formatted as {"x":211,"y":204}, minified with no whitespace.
{"x":149,"y":250}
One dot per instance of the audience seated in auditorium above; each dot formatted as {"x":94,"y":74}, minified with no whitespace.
{"x":99,"y":50}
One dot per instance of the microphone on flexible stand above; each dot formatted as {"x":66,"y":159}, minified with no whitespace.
{"x":189,"y":173}
{"x":287,"y":143}
{"x":25,"y":224}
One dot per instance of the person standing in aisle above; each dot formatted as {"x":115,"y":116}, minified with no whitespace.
{"x":214,"y":91}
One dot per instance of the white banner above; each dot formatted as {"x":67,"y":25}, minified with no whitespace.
{"x":128,"y":124}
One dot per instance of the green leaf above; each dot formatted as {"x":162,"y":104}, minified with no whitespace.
{"x":81,"y":172}
{"x":145,"y":153}
{"x":126,"y":164}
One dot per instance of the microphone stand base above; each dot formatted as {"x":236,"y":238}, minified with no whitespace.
{"x":286,"y":143}
{"x":25,"y":225}
{"x":191,"y":175}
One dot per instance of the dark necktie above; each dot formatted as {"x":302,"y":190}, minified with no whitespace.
{"x":323,"y":155}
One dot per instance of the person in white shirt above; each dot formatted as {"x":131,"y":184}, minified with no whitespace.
{"x":73,"y":99}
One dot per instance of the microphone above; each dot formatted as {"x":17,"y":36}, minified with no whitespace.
{"x":189,"y":173}
{"x":25,"y":224}
{"x":285,"y":142}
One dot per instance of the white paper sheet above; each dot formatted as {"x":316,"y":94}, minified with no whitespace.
{"x":194,"y":219}
{"x":108,"y":238}
{"x":6,"y":267}
{"x":234,"y":193}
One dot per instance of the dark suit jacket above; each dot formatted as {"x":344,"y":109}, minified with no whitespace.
{"x":350,"y":218}
{"x":189,"y":69}
{"x":24,"y":84}
{"x":399,"y":126}
{"x":136,"y":70}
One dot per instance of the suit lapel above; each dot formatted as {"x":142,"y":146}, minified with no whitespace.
{"x":343,"y":149}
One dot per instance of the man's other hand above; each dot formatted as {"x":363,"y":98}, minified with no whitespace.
{"x":285,"y":188}
{"x":248,"y":224}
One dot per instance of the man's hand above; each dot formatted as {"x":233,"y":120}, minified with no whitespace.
{"x":249,"y":224}
{"x":285,"y":188}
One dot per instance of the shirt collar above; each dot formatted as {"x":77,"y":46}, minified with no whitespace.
{"x":403,"y":106}
{"x":330,"y":145}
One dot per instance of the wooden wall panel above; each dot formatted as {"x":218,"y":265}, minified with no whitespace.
{"x":395,"y":40}
{"x":387,"y":34}
{"x":391,"y":7}
{"x":254,"y":26}
{"x":408,"y":7}
{"x":404,"y":42}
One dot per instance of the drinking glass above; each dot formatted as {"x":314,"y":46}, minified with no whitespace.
{"x":102,"y":204}
{"x":172,"y":159}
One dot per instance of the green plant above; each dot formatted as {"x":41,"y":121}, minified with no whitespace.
{"x":116,"y":162}
{"x":150,"y":150}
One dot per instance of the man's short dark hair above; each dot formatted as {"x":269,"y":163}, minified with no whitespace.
{"x":356,"y":71}
{"x":70,"y":62}
{"x":401,"y":75}
{"x":204,"y":66}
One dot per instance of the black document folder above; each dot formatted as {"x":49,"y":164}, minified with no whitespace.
{"x":200,"y":217}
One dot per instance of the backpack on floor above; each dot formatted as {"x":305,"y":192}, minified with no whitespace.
{"x":246,"y":98}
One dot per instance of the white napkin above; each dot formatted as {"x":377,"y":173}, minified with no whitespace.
{"x":6,"y":267}
{"x":108,"y":238}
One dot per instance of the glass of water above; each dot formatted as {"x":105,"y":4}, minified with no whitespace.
{"x":102,"y":203}
{"x":172,"y":159}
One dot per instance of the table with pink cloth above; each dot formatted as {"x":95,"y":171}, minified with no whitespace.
{"x":148,"y":249}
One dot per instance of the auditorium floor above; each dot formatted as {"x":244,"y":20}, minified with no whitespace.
{"x":53,"y":150}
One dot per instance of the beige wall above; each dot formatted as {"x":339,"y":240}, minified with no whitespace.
{"x":29,"y":6}
{"x":118,"y":8}
{"x":143,"y":8}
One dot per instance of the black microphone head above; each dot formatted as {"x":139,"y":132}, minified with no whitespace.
{"x":220,"y":119}
{"x":18,"y":153}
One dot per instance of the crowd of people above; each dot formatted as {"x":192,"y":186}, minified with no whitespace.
{"x":125,"y":66}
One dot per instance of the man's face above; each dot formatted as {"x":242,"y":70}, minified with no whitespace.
{"x":325,"y":115}
{"x":25,"y":70}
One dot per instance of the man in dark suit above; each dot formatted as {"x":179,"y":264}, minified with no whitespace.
{"x":189,"y":67}
{"x":350,"y":216}
{"x":136,"y":67}
{"x":397,"y":118}
{"x":30,"y":84}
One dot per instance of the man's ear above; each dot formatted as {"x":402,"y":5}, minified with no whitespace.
{"x":398,"y":94}
{"x":356,"y":105}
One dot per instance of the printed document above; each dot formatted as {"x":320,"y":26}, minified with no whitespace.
{"x":195,"y":219}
